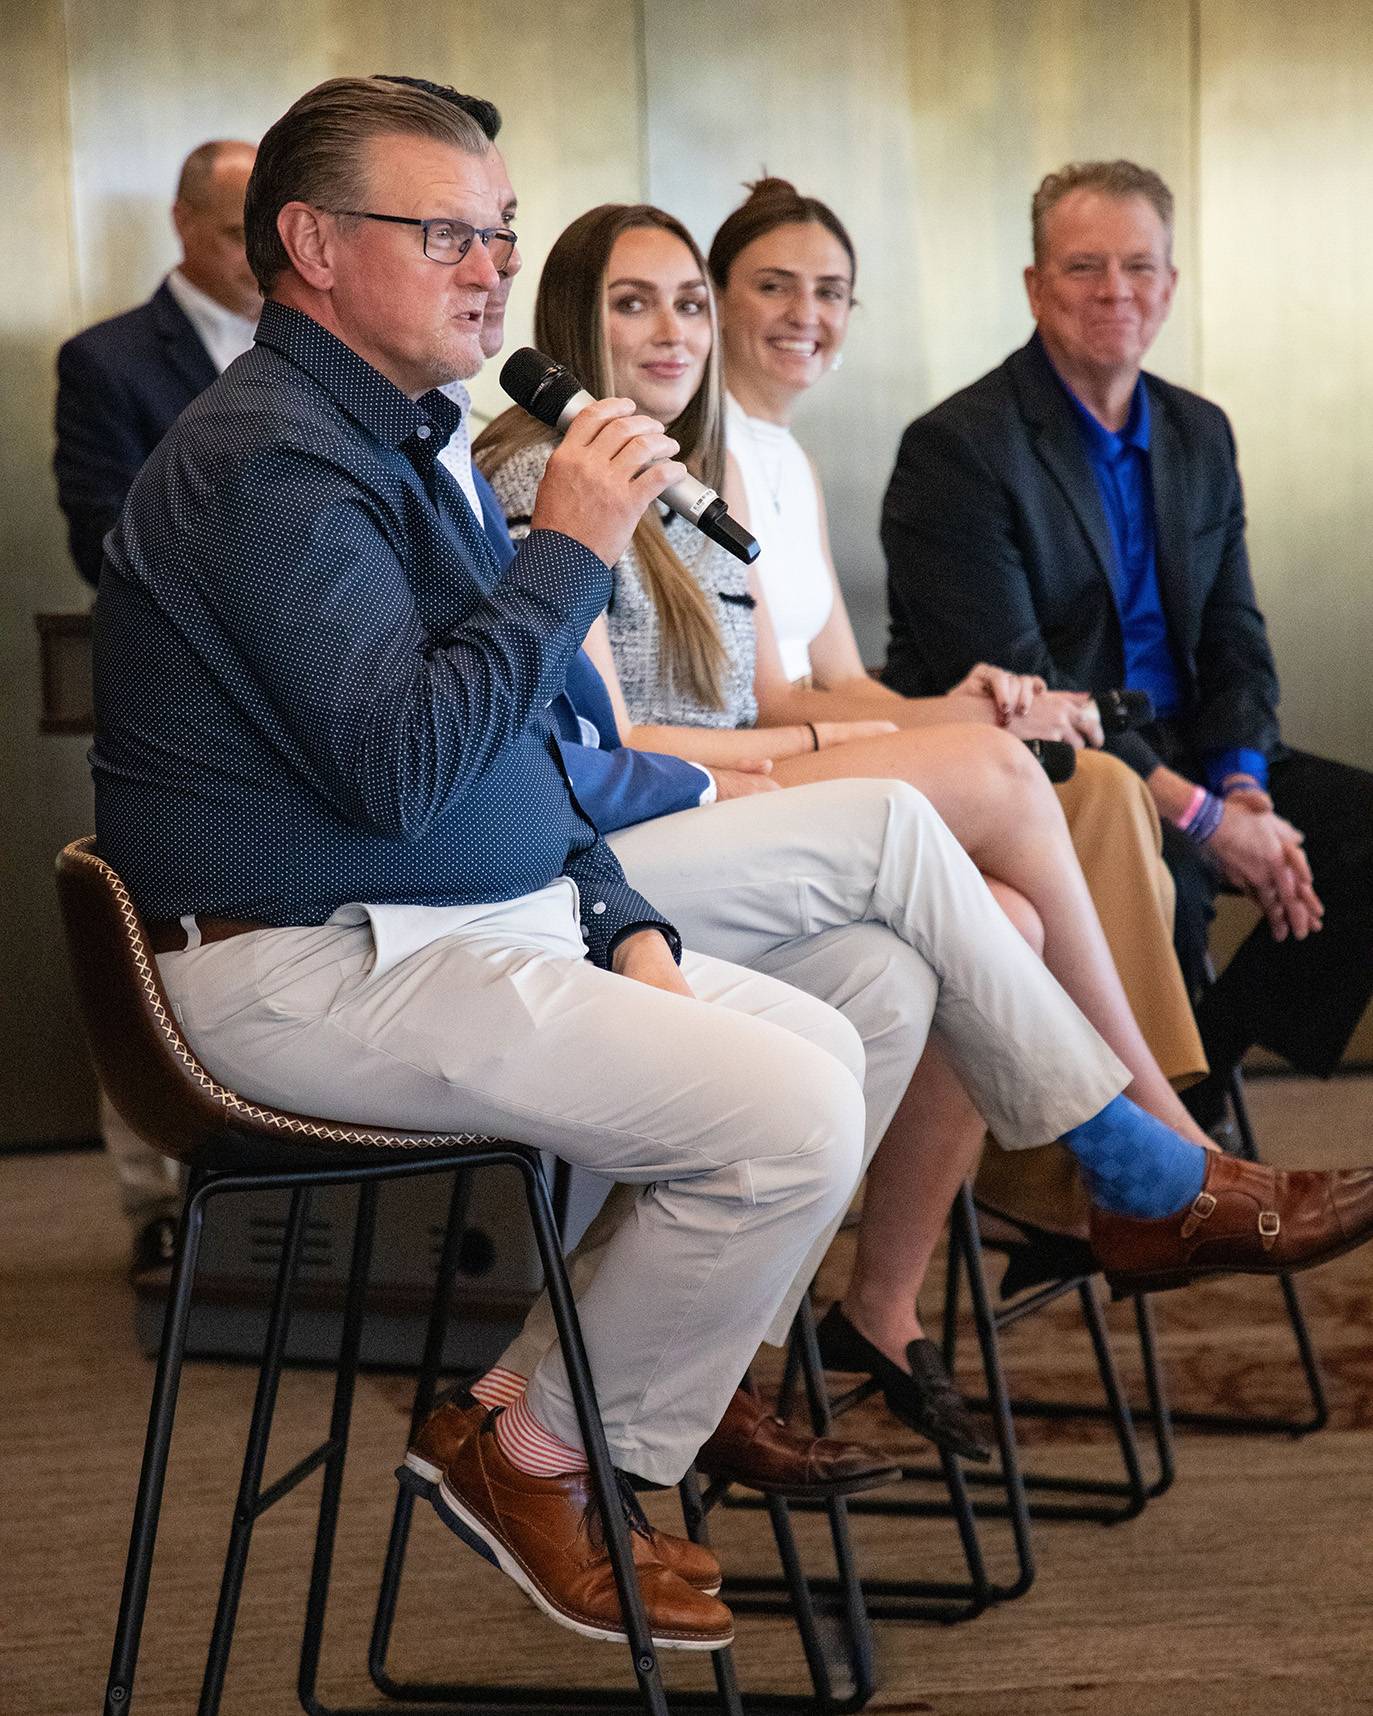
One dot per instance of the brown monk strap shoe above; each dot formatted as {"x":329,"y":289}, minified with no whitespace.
{"x":1248,"y":1219}
{"x":754,"y":1447}
{"x":545,"y":1533}
{"x":436,"y":1442}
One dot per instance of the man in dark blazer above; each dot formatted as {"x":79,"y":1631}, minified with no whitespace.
{"x":1070,"y":516}
{"x":122,"y":383}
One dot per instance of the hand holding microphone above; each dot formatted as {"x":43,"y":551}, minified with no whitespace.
{"x":552,"y":394}
{"x":611,"y":464}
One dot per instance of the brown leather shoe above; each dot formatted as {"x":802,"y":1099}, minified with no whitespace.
{"x":754,"y":1447}
{"x":545,"y":1534}
{"x":437,"y":1441}
{"x":1247,"y":1218}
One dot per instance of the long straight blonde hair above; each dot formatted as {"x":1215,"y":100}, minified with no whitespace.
{"x":570,"y":326}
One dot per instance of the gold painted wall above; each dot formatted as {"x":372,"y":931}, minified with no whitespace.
{"x":926,"y":123}
{"x":1285,"y":260}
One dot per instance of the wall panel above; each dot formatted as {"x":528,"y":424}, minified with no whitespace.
{"x":44,"y":1086}
{"x":927,"y":124}
{"x":1285,"y":260}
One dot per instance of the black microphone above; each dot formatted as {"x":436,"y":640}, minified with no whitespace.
{"x":554,"y":395}
{"x":1056,"y":757}
{"x":1123,"y":711}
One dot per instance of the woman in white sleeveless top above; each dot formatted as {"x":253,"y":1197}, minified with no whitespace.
{"x":636,"y":319}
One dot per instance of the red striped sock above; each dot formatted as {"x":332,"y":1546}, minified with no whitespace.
{"x":532,"y":1449}
{"x":498,"y":1387}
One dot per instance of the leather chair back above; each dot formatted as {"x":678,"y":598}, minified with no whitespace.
{"x":145,"y":1065}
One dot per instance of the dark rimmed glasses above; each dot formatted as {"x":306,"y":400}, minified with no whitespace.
{"x":448,"y":241}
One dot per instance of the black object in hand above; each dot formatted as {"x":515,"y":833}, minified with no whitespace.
{"x":1056,"y":757}
{"x":1124,"y":711}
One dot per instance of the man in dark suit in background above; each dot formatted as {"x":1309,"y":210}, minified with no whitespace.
{"x":1069,"y":516}
{"x":122,"y":383}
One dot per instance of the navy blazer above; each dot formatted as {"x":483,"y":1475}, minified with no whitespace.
{"x":615,"y":785}
{"x":120,"y":386}
{"x":998,"y":549}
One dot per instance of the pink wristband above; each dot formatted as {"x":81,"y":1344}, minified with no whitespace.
{"x":1194,"y":804}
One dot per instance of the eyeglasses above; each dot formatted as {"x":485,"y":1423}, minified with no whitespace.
{"x":448,"y":241}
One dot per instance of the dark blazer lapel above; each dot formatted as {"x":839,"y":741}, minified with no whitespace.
{"x":1059,"y":446}
{"x":1171,"y":527}
{"x":185,"y":353}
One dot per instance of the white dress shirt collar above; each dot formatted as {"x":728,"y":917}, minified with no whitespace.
{"x":456,"y":457}
{"x":224,"y":334}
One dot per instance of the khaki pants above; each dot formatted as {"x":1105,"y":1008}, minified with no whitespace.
{"x":1116,"y":835}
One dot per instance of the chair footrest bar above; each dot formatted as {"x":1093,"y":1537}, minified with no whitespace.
{"x":427,"y":1700}
{"x":289,"y":1480}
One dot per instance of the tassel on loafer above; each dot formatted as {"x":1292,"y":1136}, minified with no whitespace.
{"x":924,"y":1399}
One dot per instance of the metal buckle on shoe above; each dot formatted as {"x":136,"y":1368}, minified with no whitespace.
{"x":1202,"y":1205}
{"x":1269,"y":1223}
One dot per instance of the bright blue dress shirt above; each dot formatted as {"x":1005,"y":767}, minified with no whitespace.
{"x":1120,"y":467}
{"x":315,"y":682}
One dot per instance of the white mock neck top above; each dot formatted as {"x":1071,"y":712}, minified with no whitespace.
{"x":784,"y":514}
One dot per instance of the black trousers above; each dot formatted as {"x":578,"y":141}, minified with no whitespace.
{"x":1300,"y":999}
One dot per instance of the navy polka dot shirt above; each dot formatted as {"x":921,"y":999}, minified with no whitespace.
{"x":314,"y":684}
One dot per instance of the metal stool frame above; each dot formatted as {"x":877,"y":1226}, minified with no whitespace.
{"x":842,"y":1595}
{"x":230,"y":1144}
{"x":254,"y":1499}
{"x":1115,"y":1500}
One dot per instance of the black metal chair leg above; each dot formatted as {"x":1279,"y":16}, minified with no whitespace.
{"x":426,"y":1387}
{"x":340,"y":1418}
{"x":157,"y":1445}
{"x":1122,"y":1421}
{"x":254,"y":1455}
{"x":694,"y":1518}
{"x":642,"y":1649}
{"x":1160,"y":1414}
{"x":966,"y":1242}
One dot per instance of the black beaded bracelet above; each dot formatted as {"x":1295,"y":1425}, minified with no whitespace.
{"x":814,"y":736}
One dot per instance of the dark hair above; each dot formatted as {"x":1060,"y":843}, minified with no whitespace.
{"x":486,"y":113}
{"x":314,"y":154}
{"x":772,"y":203}
{"x":1112,"y":179}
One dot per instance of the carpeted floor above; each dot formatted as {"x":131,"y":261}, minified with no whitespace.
{"x":1245,"y":1591}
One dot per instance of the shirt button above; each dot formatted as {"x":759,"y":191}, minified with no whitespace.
{"x":586,"y":933}
{"x":599,"y":907}
{"x":423,"y":431}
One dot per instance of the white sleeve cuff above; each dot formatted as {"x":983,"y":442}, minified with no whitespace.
{"x":711,"y":790}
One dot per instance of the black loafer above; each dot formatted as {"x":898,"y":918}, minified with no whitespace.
{"x":923,"y":1398}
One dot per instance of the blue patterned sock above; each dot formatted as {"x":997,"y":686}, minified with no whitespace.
{"x":1133,"y":1164}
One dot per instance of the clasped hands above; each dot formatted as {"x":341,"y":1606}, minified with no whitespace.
{"x":1028,"y":709}
{"x":1260,"y":853}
